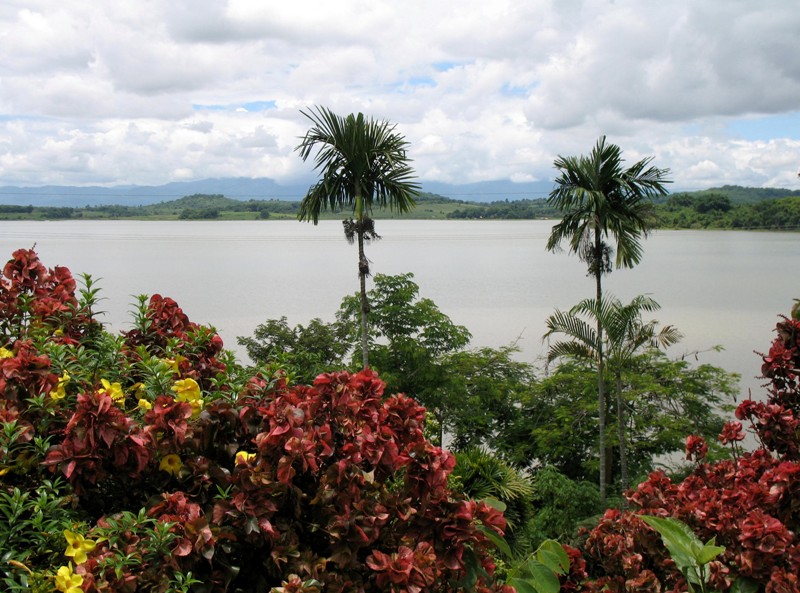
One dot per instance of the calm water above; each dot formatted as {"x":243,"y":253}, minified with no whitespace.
{"x":494,"y":277}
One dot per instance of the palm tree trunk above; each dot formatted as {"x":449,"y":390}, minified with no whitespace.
{"x":363,"y":270}
{"x":601,"y":383}
{"x":623,"y":446}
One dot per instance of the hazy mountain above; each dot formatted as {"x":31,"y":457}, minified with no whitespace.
{"x":241,"y":188}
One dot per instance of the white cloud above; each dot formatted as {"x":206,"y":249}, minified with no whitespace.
{"x":105,"y":93}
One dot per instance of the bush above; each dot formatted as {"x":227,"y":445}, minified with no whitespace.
{"x":748,"y":503}
{"x":152,"y":461}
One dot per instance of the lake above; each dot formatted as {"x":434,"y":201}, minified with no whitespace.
{"x":495,"y":277}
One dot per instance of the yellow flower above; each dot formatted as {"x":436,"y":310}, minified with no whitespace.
{"x":59,"y":392}
{"x":144,"y":405}
{"x":186,"y":390}
{"x":77,"y":546}
{"x":243,"y":457}
{"x":174,"y":363}
{"x":171,"y":464}
{"x":6,"y":353}
{"x":113,"y":390}
{"x":67,"y":581}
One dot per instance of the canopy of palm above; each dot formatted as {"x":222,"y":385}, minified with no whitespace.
{"x":362,"y":164}
{"x":625,"y":334}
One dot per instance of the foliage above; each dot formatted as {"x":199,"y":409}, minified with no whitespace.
{"x":482,"y":475}
{"x":665,"y":400}
{"x":483,"y":391}
{"x":711,"y":210}
{"x":541,"y":571}
{"x":562,"y":506}
{"x":746,"y":504}
{"x":151,"y":461}
{"x":690,"y":555}
{"x":624,"y":334}
{"x":408,"y":339}
{"x":303,"y":352}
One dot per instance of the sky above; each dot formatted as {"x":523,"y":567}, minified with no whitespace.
{"x":147,"y":92}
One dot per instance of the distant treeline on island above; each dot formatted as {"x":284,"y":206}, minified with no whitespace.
{"x":728,"y":207}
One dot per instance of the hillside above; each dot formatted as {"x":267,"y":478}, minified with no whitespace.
{"x":728,"y":207}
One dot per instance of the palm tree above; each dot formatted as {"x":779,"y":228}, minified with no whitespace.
{"x":362,"y":164}
{"x":602,"y":199}
{"x":624,"y":335}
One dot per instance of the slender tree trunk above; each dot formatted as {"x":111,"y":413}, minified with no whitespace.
{"x":623,"y":446}
{"x":601,"y":383}
{"x":363,"y":270}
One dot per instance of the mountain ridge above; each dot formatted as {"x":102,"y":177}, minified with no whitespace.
{"x":263,"y":188}
{"x":240,"y":188}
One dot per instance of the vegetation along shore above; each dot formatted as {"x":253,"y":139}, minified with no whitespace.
{"x":727,"y":207}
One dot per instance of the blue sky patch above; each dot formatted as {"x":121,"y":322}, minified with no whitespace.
{"x":784,"y":125}
{"x":259,"y":105}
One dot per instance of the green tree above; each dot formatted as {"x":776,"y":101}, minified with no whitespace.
{"x":624,"y":333}
{"x":303,"y":351}
{"x":362,"y":164}
{"x":667,"y":399}
{"x":408,"y":339}
{"x":600,"y":199}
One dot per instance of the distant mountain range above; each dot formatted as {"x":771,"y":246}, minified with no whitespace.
{"x":242,"y":188}
{"x":247,"y":188}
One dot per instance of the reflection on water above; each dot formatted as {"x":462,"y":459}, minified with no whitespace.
{"x":495,"y":277}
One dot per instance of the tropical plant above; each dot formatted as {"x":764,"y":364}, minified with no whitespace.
{"x":363,"y":164}
{"x":483,"y":475}
{"x":745,"y":504}
{"x":602,"y":199}
{"x":624,"y":334}
{"x":409,"y":340}
{"x":152,"y":461}
{"x":666,"y":399}
{"x":303,"y":351}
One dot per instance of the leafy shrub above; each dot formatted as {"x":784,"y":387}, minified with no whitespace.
{"x":748,"y":504}
{"x":152,"y":461}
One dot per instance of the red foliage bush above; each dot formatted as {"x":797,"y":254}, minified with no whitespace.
{"x":268,"y":487}
{"x":750,"y":503}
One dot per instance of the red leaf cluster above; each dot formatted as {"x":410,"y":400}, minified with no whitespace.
{"x":750,"y":504}
{"x":33,"y":296}
{"x":306,"y":488}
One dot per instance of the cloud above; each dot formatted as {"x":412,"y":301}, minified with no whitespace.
{"x":150,"y":91}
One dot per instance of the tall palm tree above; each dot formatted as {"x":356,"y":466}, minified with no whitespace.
{"x":362,"y":164}
{"x":601,"y":199}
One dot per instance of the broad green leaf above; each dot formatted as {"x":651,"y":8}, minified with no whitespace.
{"x":523,"y":585}
{"x":708,"y":552}
{"x":544,"y":579}
{"x":497,"y":505}
{"x":681,"y":541}
{"x":552,"y":555}
{"x":499,"y":542}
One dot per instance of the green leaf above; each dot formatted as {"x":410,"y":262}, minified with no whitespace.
{"x":544,"y":579}
{"x":744,"y":585}
{"x":552,"y":555}
{"x":499,"y":542}
{"x":681,"y":541}
{"x":708,"y":552}
{"x":497,"y":505}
